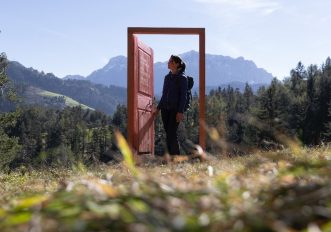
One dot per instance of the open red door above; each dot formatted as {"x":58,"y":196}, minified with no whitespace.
{"x":140,"y":98}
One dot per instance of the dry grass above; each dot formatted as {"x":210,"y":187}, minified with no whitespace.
{"x":270,"y":191}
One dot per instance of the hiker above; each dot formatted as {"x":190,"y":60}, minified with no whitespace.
{"x":172,"y":103}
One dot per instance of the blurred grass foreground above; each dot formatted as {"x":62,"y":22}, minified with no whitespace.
{"x":266,"y":191}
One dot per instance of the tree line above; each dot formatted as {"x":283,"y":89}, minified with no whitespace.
{"x":39,"y":137}
{"x":296,"y":109}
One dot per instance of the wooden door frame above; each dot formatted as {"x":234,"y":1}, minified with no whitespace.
{"x":172,"y":31}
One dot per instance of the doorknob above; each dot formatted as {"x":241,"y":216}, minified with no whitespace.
{"x":148,"y":106}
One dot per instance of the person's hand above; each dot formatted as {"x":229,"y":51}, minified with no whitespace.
{"x":179,"y":117}
{"x":155,"y":113}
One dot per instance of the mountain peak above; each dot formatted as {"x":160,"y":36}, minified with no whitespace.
{"x":190,"y":53}
{"x":113,"y":73}
{"x":115,"y":61}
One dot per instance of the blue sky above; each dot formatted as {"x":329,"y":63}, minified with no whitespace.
{"x":79,"y":36}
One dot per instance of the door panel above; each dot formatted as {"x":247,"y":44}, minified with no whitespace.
{"x":144,"y":78}
{"x":142,"y":83}
{"x":145,"y":136}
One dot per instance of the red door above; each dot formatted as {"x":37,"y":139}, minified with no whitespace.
{"x":140,"y":98}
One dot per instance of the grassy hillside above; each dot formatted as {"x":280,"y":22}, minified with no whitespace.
{"x":37,"y":96}
{"x":96,"y":96}
{"x":68,"y":101}
{"x":287,"y":190}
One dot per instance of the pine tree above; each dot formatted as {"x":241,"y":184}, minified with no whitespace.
{"x":120,"y":119}
{"x":248,"y":97}
{"x":7,"y":92}
{"x":325,"y":100}
{"x":312,"y":125}
{"x":327,"y":133}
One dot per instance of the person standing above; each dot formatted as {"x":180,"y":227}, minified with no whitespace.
{"x":172,"y":102}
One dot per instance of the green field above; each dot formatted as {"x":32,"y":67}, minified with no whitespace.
{"x":285,"y":190}
{"x":68,"y":101}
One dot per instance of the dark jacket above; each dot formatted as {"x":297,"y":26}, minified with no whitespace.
{"x":174,"y":92}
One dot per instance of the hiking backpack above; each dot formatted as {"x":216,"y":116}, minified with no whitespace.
{"x":190,"y":83}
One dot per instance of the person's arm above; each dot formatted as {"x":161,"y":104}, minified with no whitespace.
{"x":182,"y":99}
{"x":162,"y":97}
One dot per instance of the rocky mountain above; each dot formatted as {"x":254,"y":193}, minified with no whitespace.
{"x":113,"y":73}
{"x":220,"y":70}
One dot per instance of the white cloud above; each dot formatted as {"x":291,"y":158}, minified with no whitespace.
{"x":264,"y":7}
{"x":325,"y":19}
{"x":223,"y":46}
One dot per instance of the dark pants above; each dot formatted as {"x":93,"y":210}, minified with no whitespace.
{"x":170,"y":126}
{"x":185,"y":143}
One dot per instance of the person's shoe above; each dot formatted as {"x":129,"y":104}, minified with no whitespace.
{"x":198,"y":153}
{"x":166,"y":158}
{"x":179,"y":158}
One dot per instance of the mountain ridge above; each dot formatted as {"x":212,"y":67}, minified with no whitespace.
{"x":220,"y":70}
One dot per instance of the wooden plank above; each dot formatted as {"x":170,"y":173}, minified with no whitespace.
{"x":166,"y":30}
